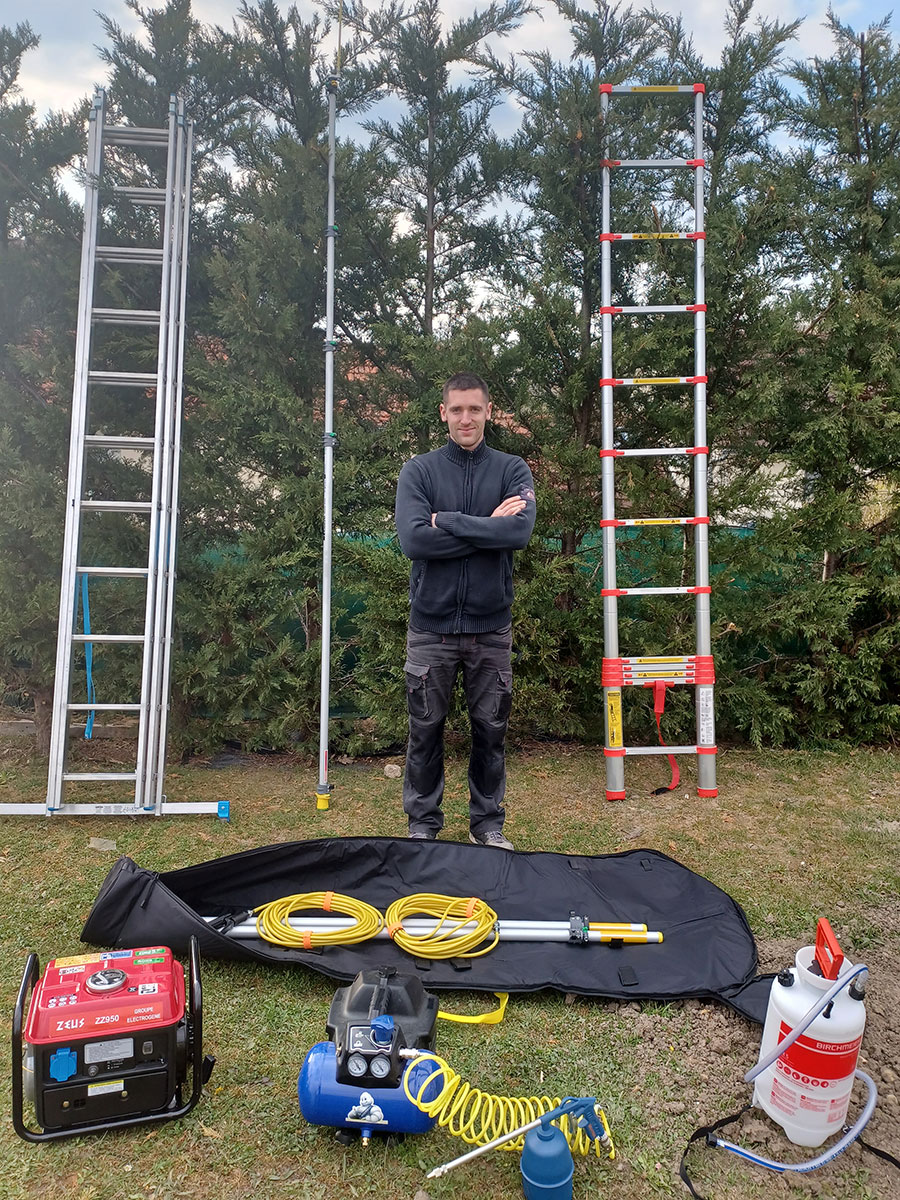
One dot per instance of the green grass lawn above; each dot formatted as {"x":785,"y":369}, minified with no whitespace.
{"x":792,"y":836}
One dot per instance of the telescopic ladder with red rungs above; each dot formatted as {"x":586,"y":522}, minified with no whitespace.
{"x":660,"y":673}
{"x":157,"y":164}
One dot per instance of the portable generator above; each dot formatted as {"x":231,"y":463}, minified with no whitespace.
{"x":353,"y":1082}
{"x":108,"y":1042}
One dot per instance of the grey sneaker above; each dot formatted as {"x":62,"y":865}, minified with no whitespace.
{"x":422,"y":835}
{"x":493,"y":837}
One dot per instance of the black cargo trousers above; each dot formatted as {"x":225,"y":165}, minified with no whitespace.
{"x":432,"y":663}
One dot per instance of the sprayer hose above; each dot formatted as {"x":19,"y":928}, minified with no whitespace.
{"x":453,"y":914}
{"x":479,"y":1117}
{"x":273,"y":920}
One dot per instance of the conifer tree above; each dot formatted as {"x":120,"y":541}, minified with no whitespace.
{"x":557,"y":277}
{"x":827,"y":649}
{"x":248,"y":599}
{"x":39,"y":248}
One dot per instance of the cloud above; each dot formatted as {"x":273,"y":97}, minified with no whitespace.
{"x":66,"y":67}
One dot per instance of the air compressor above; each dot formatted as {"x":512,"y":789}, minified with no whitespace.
{"x":109,"y":1041}
{"x":353,"y":1081}
{"x":379,"y":1074}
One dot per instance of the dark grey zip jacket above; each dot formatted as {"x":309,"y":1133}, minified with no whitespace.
{"x":461,"y":576}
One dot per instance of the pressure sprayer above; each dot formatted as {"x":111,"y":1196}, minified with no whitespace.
{"x":809,"y":1052}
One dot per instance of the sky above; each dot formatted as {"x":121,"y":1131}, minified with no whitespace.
{"x":66,"y":66}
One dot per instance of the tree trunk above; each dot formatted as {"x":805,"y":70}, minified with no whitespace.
{"x":829,"y":564}
{"x":43,"y":710}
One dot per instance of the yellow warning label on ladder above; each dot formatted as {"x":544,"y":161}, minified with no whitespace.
{"x":614,"y":717}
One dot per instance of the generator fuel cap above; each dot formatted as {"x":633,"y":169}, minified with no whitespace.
{"x":107,"y":980}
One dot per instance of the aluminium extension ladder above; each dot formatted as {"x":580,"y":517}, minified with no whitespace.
{"x":657,"y":672}
{"x":158,"y":163}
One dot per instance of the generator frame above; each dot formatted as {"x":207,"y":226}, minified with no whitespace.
{"x":200,"y":1067}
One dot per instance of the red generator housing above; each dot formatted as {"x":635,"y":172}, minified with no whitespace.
{"x":108,"y":1041}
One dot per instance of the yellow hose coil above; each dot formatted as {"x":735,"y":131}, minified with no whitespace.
{"x":453,"y":914}
{"x":479,"y":1117}
{"x":273,"y":920}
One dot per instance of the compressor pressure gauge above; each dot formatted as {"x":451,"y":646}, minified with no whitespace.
{"x":357,"y":1065}
{"x":380,"y":1067}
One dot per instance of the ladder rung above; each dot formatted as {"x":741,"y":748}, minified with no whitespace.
{"x":141,"y":195}
{"x":141,"y":379}
{"x":657,"y":163}
{"x":649,"y":451}
{"x":99,"y":776}
{"x":104,"y":707}
{"x":147,"y":255}
{"x":623,"y":88}
{"x":125,"y":316}
{"x":660,"y":750}
{"x":110,"y":441}
{"x":655,"y":591}
{"x":120,"y":506}
{"x":134,"y":135}
{"x":643,"y":660}
{"x":684,"y":670}
{"x":669,"y":674}
{"x":674,"y":236}
{"x":641,"y":380}
{"x":637,"y":522}
{"x":136,"y":638}
{"x":614,"y":309}
{"x":115,"y":572}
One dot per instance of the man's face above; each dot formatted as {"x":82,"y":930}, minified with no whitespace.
{"x":465,"y":415}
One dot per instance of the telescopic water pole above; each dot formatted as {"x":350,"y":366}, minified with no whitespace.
{"x":329,"y":440}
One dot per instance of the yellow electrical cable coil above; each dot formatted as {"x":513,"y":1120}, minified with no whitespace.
{"x":453,"y":914}
{"x":479,"y":1117}
{"x":273,"y":920}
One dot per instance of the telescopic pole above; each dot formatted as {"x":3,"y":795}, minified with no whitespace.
{"x":323,"y":791}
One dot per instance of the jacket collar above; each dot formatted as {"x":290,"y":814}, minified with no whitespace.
{"x":457,"y":455}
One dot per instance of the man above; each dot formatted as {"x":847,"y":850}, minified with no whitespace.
{"x":461,"y":511}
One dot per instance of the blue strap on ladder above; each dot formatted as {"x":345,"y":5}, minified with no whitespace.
{"x":88,"y":657}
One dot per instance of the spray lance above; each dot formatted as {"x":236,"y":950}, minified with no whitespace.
{"x":547,"y":1167}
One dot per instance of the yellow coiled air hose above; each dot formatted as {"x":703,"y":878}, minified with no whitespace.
{"x":273,"y":920}
{"x":451,"y":937}
{"x":479,"y":1117}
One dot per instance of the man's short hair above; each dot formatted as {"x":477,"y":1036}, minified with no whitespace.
{"x":466,"y":381}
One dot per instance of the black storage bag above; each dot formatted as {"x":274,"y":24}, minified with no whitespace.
{"x":708,"y":949}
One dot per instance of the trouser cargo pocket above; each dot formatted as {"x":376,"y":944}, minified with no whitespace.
{"x":416,"y":690}
{"x":503,"y":702}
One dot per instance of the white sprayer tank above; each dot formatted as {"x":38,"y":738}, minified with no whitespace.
{"x":807,"y":1090}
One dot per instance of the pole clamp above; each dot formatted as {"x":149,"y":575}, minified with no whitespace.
{"x":578,"y":929}
{"x":330,"y":440}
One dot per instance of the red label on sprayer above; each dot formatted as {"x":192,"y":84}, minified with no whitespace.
{"x":815,"y":1063}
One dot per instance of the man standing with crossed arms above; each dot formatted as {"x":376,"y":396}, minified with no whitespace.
{"x":461,"y":511}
